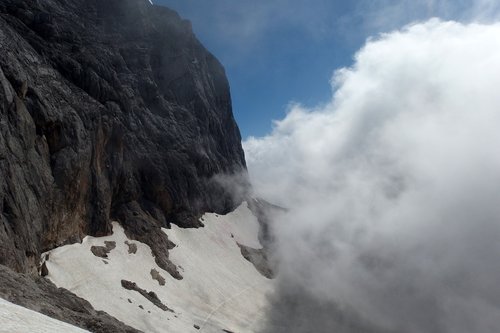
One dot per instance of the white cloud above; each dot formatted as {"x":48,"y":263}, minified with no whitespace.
{"x":393,"y":186}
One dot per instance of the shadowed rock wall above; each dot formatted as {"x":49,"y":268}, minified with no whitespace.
{"x":109,"y":109}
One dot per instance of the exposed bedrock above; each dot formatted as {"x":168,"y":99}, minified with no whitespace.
{"x":108,"y":110}
{"x":41,"y":295}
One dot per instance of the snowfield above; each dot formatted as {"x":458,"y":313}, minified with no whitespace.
{"x":219,"y":290}
{"x":17,"y":319}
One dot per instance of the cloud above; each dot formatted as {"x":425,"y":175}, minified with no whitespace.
{"x":392,"y":189}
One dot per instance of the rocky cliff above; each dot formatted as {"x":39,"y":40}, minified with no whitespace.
{"x":109,"y":110}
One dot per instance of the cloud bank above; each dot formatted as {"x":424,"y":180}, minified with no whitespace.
{"x":392,"y":189}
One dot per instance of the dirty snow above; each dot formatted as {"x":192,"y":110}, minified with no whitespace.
{"x":17,"y":319}
{"x":220,"y":289}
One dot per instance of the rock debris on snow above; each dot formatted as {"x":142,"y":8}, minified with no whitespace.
{"x":220,"y":288}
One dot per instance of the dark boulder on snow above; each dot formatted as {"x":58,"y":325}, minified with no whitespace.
{"x":149,"y":295}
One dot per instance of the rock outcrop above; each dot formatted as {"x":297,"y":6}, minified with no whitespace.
{"x":109,"y":109}
{"x":41,"y":295}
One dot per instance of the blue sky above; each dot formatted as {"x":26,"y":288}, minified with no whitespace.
{"x":278,"y":52}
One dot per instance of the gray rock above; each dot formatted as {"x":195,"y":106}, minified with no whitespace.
{"x":99,"y":251}
{"x":39,"y":294}
{"x":102,"y":251}
{"x":260,"y":259}
{"x":149,"y":295}
{"x":263,"y":259}
{"x":132,"y":247}
{"x":109,"y":110}
{"x":158,"y":277}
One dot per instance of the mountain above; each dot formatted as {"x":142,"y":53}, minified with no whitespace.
{"x":110,"y":110}
{"x":116,"y":131}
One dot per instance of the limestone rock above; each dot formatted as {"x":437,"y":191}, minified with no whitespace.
{"x":109,"y":110}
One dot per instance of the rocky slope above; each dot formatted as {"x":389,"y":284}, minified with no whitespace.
{"x":220,"y":289}
{"x":15,"y":318}
{"x":43,"y":296}
{"x":109,"y":110}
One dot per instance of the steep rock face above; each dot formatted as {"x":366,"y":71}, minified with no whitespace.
{"x":109,"y":109}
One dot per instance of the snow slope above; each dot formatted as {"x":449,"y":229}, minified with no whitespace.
{"x":16,"y":319}
{"x":219,"y":289}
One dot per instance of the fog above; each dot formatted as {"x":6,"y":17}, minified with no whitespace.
{"x":392,"y":189}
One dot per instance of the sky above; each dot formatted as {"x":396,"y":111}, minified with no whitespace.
{"x":280,"y":52}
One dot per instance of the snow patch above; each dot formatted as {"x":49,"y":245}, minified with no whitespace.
{"x":220,"y":289}
{"x":17,"y":319}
